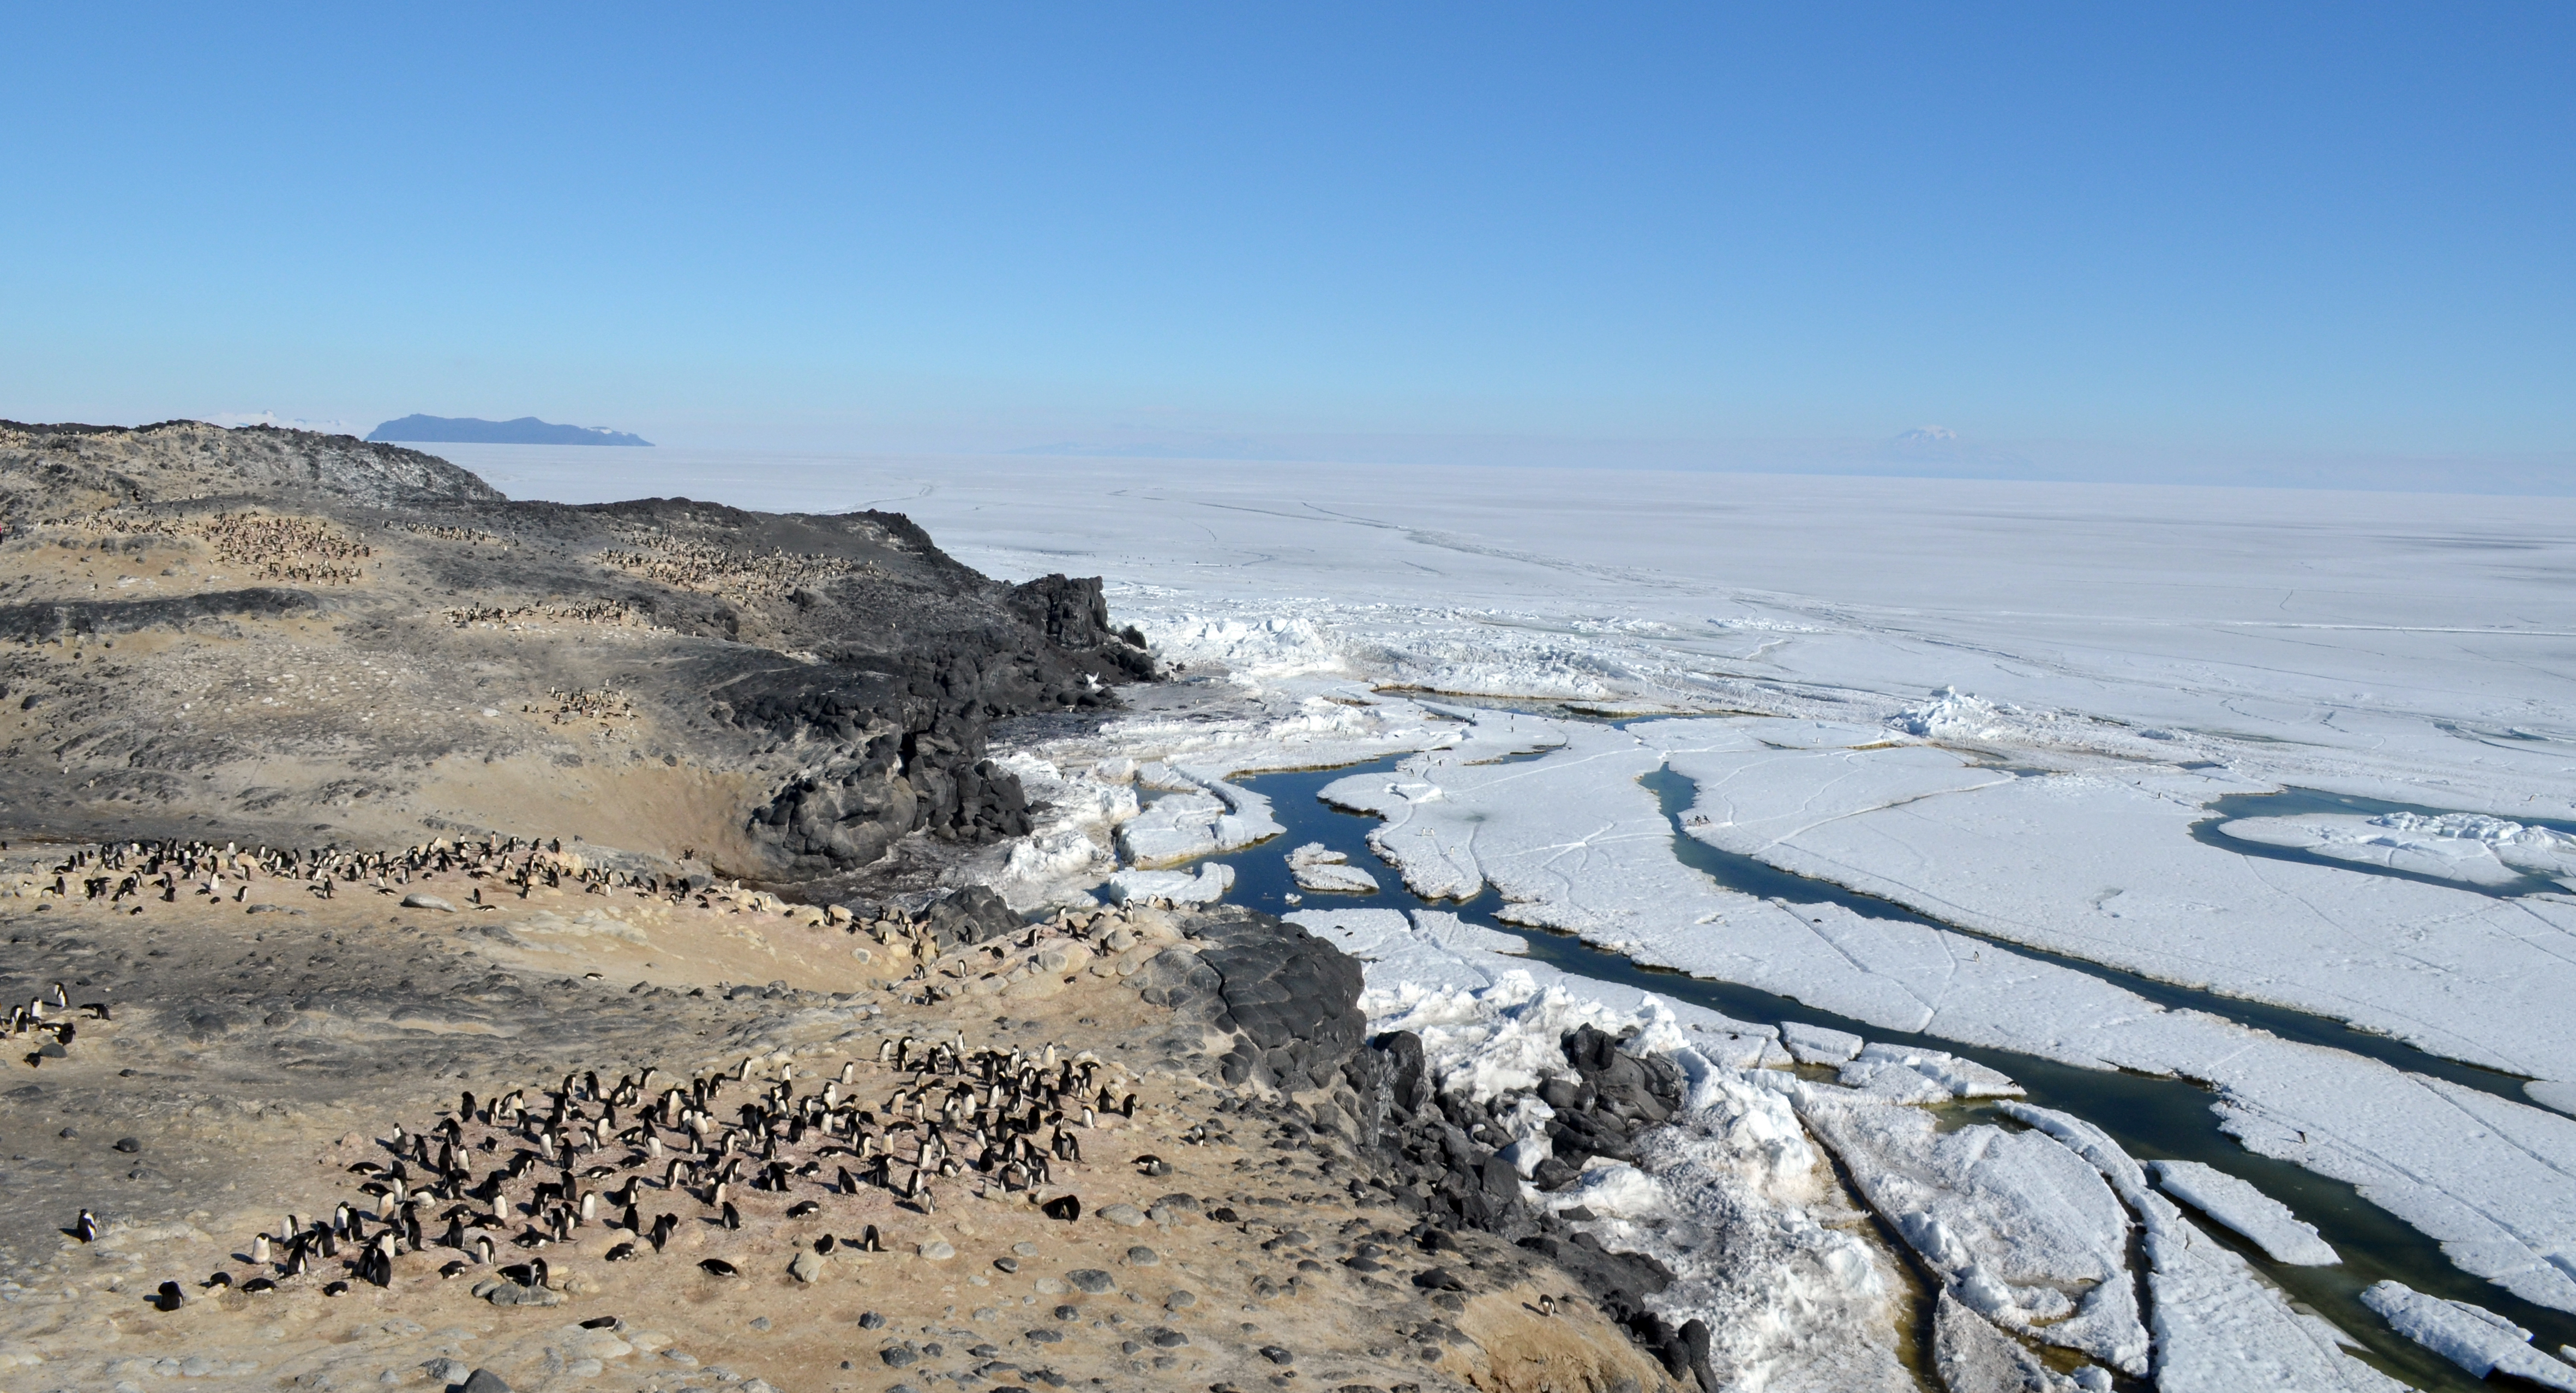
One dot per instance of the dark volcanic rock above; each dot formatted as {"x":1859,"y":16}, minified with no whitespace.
{"x":1284,"y":1003}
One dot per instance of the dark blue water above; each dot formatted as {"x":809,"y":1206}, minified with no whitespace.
{"x":2153,"y":1118}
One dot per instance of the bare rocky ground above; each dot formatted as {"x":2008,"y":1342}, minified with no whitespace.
{"x":251,"y":638}
{"x":248,"y":1060}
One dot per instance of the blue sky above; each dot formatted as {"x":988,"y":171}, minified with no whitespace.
{"x":2091,"y":236}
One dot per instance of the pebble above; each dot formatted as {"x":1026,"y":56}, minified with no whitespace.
{"x":1141,"y":1256}
{"x":1276,"y":1355}
{"x":1126,"y":1215}
{"x":485,"y":1381}
{"x":128,"y":1145}
{"x":416,"y":900}
{"x":1007,"y":1264}
{"x":897,"y":1357}
{"x":1164,"y":1337}
{"x":1181,"y":1299}
{"x":446,"y":1371}
{"x":1090,"y":1279}
{"x":804,"y":1267}
{"x":938,"y":1250}
{"x":872,"y":1321}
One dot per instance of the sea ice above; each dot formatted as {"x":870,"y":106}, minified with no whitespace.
{"x":1321,"y":869}
{"x":2219,"y":1327}
{"x":2231,"y":1202}
{"x":2468,"y":847}
{"x":2012,"y":1221}
{"x":1814,"y":1044}
{"x":2101,"y":865}
{"x":1573,"y":843}
{"x":2472,"y":1337}
{"x":1199,"y":815}
{"x":1206,"y":885}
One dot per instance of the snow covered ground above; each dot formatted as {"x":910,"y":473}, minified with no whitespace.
{"x":2006,"y":706}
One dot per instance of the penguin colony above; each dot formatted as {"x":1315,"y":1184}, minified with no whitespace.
{"x":529,"y":1170}
{"x":48,"y":1023}
{"x":304,"y":550}
{"x":139,"y":873}
{"x":684,"y":564}
{"x":616,"y":612}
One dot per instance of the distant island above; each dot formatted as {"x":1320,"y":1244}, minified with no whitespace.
{"x":527,"y":430}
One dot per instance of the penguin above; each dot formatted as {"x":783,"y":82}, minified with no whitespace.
{"x":259,"y":1248}
{"x":87,"y":1227}
{"x":537,"y":1272}
{"x":849,"y":1073}
{"x":662,"y":1230}
{"x":869,"y":1242}
{"x":732,"y":1216}
{"x":483,"y":1249}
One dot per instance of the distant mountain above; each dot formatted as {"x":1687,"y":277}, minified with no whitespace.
{"x":527,"y":430}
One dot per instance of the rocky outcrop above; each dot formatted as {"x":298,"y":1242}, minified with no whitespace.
{"x":787,"y":697}
{"x":1437,"y":1155}
{"x":1276,"y":1007}
{"x":50,"y":469}
{"x":1261,"y":1006}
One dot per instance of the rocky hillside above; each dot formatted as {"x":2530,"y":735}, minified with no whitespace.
{"x":285,"y":635}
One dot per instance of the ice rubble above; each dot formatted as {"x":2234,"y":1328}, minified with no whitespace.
{"x":1574,"y":844}
{"x":2233,"y":1204}
{"x":1731,"y":1198}
{"x":2468,"y":847}
{"x":1321,"y":869}
{"x":2472,"y":1337}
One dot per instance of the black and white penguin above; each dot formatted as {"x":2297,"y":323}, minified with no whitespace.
{"x":86,"y":1227}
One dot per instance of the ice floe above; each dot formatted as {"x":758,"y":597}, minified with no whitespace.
{"x":1319,"y":868}
{"x":1197,"y":815}
{"x":2468,"y":847}
{"x":2219,"y":1327}
{"x":2020,"y":1229}
{"x":2238,"y":1206}
{"x":2472,"y":1337}
{"x":1206,"y":885}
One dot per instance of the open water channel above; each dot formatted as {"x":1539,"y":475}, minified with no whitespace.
{"x":2154,"y":1118}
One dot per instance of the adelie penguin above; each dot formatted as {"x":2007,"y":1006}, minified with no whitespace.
{"x":86,"y":1227}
